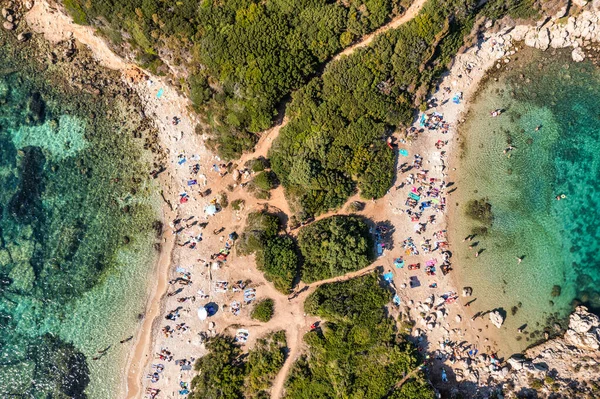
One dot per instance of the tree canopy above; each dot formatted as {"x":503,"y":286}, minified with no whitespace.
{"x":338,"y":123}
{"x":242,"y":57}
{"x":334,"y":246}
{"x":225,"y":373}
{"x":276,"y":255}
{"x":356,"y":352}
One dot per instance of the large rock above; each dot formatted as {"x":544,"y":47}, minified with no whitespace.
{"x":577,"y":54}
{"x":584,"y":330}
{"x":580,"y":3}
{"x":516,"y":363}
{"x":531,"y":38}
{"x":8,"y":25}
{"x":543,"y":39}
{"x":496,"y":318}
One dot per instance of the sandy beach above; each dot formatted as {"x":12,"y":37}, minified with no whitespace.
{"x":185,"y":266}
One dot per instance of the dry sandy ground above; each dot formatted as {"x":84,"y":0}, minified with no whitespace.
{"x":181,"y":141}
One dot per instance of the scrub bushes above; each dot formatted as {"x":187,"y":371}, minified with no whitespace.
{"x":263,"y":310}
{"x":276,"y":255}
{"x":226,"y":373}
{"x":356,"y":352}
{"x":243,"y":56}
{"x":338,"y":123}
{"x":334,"y":246}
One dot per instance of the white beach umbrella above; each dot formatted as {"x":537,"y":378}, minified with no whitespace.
{"x":202,"y":313}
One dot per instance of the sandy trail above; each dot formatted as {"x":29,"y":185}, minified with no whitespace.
{"x":410,"y":13}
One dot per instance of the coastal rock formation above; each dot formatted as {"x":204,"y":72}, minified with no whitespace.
{"x":578,"y":32}
{"x":584,"y":330}
{"x":578,"y":55}
{"x":496,"y":318}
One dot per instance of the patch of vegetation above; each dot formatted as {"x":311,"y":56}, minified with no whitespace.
{"x":258,"y":164}
{"x":264,"y":180}
{"x":279,"y":262}
{"x":556,"y":291}
{"x":334,"y":246}
{"x":480,"y":210}
{"x":276,"y":255}
{"x":263,"y":310}
{"x":226,"y":373}
{"x":522,"y":9}
{"x":237,"y":204}
{"x":338,"y":123}
{"x":357,"y":352}
{"x":244,"y":56}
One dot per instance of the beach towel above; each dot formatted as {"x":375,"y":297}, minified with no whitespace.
{"x":160,"y":93}
{"x":388,"y":276}
{"x":403,"y":152}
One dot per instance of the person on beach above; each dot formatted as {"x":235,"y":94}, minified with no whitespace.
{"x":519,"y":259}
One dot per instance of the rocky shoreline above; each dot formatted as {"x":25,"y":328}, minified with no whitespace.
{"x":567,"y":365}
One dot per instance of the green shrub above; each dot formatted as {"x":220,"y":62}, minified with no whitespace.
{"x":279,"y":261}
{"x":224,"y":373}
{"x":536,"y":384}
{"x":237,"y":204}
{"x":263,"y":310}
{"x":264,"y":181}
{"x":356,"y":354}
{"x":276,"y":255}
{"x":334,"y":246}
{"x":260,"y":227}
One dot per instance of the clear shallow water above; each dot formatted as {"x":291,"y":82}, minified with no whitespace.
{"x":558,"y":240}
{"x":76,"y":236}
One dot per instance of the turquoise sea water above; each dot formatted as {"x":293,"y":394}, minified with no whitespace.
{"x":77,"y":228}
{"x":558,"y":240}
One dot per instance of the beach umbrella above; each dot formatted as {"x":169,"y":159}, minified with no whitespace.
{"x":210,"y":210}
{"x":202,"y":313}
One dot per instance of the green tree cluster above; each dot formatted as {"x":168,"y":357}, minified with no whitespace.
{"x":357,"y":353}
{"x":244,"y":56}
{"x":225,"y":373}
{"x":263,"y":310}
{"x":276,"y":255}
{"x":338,"y":122}
{"x":334,"y":246}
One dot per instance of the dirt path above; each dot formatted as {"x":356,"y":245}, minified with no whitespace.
{"x":295,"y":335}
{"x":268,"y":136}
{"x":412,"y":12}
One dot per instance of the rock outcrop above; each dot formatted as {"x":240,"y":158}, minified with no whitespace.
{"x":496,"y":318}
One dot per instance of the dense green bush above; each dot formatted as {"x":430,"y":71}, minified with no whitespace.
{"x":224,"y":373}
{"x":279,"y":261}
{"x":276,"y":255}
{"x":338,"y":123}
{"x":245,"y":55}
{"x":263,"y":310}
{"x":357,"y":353}
{"x":264,"y":181}
{"x":260,"y":227}
{"x":334,"y":246}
